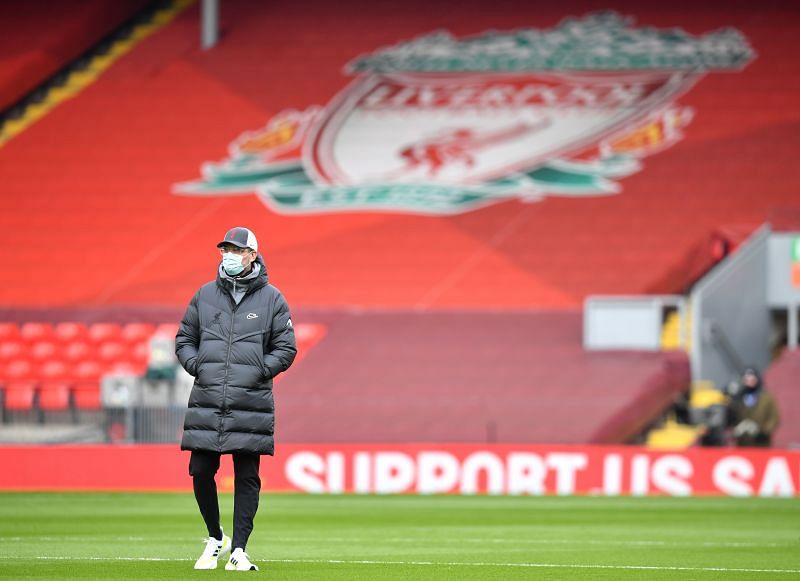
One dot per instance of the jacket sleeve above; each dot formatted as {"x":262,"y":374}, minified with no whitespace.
{"x":282,"y":347}
{"x":187,"y":341}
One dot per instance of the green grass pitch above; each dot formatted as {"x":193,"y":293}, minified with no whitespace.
{"x":158,"y":536}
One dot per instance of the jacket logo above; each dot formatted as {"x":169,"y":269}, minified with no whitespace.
{"x":252,"y":316}
{"x":453,"y":124}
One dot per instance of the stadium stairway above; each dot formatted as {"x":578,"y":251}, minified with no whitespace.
{"x":673,"y":435}
{"x":39,"y":37}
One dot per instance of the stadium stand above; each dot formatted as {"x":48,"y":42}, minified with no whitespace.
{"x":512,"y":255}
{"x":62,"y":366}
{"x":456,"y":327}
{"x":511,"y":377}
{"x":57,"y":367}
{"x":39,"y":37}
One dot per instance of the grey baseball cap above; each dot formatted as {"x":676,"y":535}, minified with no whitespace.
{"x":241,"y":237}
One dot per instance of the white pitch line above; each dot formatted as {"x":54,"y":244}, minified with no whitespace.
{"x":441,"y":564}
{"x":80,"y":539}
{"x":65,"y":558}
{"x":307,"y":540}
{"x":579,"y":543}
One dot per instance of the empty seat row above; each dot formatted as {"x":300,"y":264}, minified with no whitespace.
{"x":56,"y":370}
{"x":68,"y":332}
{"x":74,"y":352}
{"x":55,"y":386}
{"x":24,"y":396}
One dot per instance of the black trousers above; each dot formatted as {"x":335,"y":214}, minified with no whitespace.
{"x":203,"y":468}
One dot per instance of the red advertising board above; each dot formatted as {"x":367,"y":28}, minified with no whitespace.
{"x":421,"y":469}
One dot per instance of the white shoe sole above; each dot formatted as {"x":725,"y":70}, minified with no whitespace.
{"x":205,"y":566}
{"x":231,"y":567}
{"x":213,"y":562}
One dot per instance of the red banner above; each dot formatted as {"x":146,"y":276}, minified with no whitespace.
{"x":421,"y":469}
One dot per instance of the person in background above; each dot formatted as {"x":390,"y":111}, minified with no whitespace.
{"x":235,"y":337}
{"x":753,"y":412}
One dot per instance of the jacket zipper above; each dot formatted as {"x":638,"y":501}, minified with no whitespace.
{"x":228,"y":358}
{"x":227,"y":366}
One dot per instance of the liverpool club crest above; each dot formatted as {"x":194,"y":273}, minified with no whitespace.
{"x":442,"y":125}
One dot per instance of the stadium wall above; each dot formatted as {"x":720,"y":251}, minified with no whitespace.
{"x":421,"y":469}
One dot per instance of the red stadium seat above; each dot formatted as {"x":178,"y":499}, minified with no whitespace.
{"x":42,"y":350}
{"x":111,"y":352}
{"x":19,"y":370}
{"x":9,"y":331}
{"x":53,"y":371}
{"x":137,"y":332}
{"x":86,"y":396}
{"x":124,"y":368}
{"x":32,"y":332}
{"x":19,"y":396}
{"x":54,"y":389}
{"x":308,"y":334}
{"x":87,"y":371}
{"x":168,"y":329}
{"x":86,"y":389}
{"x":11,"y":349}
{"x":54,"y":396}
{"x":140,"y":353}
{"x":70,"y":332}
{"x":102,"y":332}
{"x":78,"y":351}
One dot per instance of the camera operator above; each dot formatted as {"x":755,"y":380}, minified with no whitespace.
{"x":753,"y":412}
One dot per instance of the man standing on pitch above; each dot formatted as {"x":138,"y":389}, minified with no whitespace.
{"x":235,"y":337}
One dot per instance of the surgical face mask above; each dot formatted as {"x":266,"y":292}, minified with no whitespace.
{"x":232,"y":263}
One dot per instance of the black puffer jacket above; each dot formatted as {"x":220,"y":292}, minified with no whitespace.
{"x":234,"y":351}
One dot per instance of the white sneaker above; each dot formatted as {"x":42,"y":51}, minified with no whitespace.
{"x":213,"y":551}
{"x":239,"y":561}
